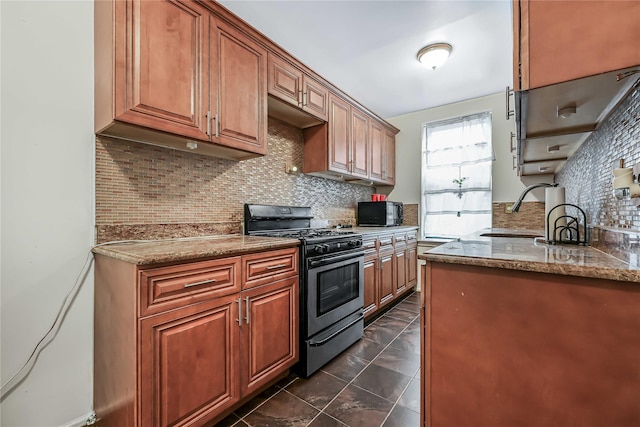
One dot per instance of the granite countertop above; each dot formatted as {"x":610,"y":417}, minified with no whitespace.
{"x":526,"y":254}
{"x":187,"y":249}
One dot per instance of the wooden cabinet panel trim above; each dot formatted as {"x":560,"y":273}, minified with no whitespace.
{"x":261,"y":268}
{"x":315,"y":97}
{"x":146,"y":94}
{"x":360,"y":145}
{"x":175,"y":286}
{"x":269,"y":332}
{"x":339,"y":147}
{"x":376,"y":155}
{"x":242,"y":91}
{"x":285,"y":81}
{"x":176,"y":348}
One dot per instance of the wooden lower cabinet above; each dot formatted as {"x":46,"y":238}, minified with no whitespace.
{"x":518,"y":348}
{"x":412,"y":264}
{"x":386,"y":282}
{"x":269,"y":333}
{"x":370,"y":284}
{"x":401,"y":265}
{"x":391,"y":268}
{"x":188,"y":364}
{"x":219,"y":340}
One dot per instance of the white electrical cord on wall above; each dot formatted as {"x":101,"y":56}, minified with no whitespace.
{"x":68,"y":300}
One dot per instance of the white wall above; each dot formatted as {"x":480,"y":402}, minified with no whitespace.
{"x":47,"y":207}
{"x":507,"y":186}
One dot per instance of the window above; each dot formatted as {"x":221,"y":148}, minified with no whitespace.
{"x":456,"y":176}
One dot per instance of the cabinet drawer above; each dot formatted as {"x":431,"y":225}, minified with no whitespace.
{"x":261,"y":268}
{"x":175,"y":286}
{"x":400,"y":238}
{"x":412,"y":237}
{"x":385,"y":241}
{"x":369,"y":244}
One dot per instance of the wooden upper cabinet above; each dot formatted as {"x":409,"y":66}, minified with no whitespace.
{"x":288,"y":83}
{"x":389,"y":159}
{"x":558,"y":41}
{"x":161,"y":68}
{"x":360,"y":149}
{"x":171,"y":73}
{"x":339,"y":135}
{"x":315,"y":98}
{"x":285,"y":80}
{"x":241,"y":120}
{"x":376,"y":138}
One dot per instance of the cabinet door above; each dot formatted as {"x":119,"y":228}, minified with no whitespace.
{"x":370,"y":285}
{"x":412,"y":265}
{"x":386,"y":278}
{"x":285,"y":81}
{"x":269,"y":332}
{"x":162,"y":66}
{"x":600,"y":36}
{"x":376,"y":138}
{"x":339,"y":135}
{"x":315,"y":98}
{"x":389,"y":170}
{"x":240,"y":86}
{"x":359,"y":144}
{"x":189,"y":364}
{"x":401,"y":266}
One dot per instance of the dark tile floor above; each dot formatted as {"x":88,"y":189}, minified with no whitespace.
{"x":374,"y":383}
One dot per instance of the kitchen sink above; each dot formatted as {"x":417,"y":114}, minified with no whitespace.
{"x":518,"y":235}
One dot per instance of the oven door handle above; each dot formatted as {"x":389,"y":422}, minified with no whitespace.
{"x":327,"y":261}
{"x":314,"y":343}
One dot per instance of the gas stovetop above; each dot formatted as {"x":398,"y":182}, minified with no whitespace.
{"x":307,"y":233}
{"x":292,"y":222}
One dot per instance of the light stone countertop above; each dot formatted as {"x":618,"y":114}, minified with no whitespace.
{"x":526,"y":254}
{"x":194,"y":248}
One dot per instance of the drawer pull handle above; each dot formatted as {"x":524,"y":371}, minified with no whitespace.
{"x":240,"y":311}
{"x":273,"y":267}
{"x":204,"y":282}
{"x":246,"y":307}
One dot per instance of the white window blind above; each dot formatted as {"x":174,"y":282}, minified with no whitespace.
{"x":456,"y":176}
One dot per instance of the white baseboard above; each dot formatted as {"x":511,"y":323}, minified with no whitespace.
{"x":79,"y":422}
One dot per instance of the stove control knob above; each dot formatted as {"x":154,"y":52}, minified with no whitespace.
{"x":321,"y":249}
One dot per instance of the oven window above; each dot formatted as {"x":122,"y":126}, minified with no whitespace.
{"x":337,"y":287}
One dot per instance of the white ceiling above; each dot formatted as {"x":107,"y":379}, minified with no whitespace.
{"x":368,"y":48}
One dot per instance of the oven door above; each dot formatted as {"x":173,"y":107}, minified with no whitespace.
{"x":335,"y":289}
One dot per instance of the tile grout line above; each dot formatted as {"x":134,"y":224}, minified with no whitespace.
{"x":363,"y":369}
{"x":321,"y":411}
{"x":400,"y":397}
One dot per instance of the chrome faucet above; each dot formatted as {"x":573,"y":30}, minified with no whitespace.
{"x":516,"y":206}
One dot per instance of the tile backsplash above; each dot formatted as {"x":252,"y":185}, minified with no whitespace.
{"x":588,"y":174}
{"x":529,"y":217}
{"x":144,"y":191}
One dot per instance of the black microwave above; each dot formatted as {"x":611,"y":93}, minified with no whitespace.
{"x":380,"y":214}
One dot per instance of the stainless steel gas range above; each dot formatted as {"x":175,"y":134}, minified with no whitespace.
{"x":331,"y":280}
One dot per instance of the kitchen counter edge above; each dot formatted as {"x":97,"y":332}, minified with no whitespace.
{"x":190,"y":249}
{"x":525,"y":255}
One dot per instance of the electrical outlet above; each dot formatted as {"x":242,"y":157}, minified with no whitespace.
{"x":507,"y":208}
{"x":92,"y":419}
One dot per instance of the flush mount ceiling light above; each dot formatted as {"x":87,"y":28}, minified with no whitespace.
{"x":434,"y":55}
